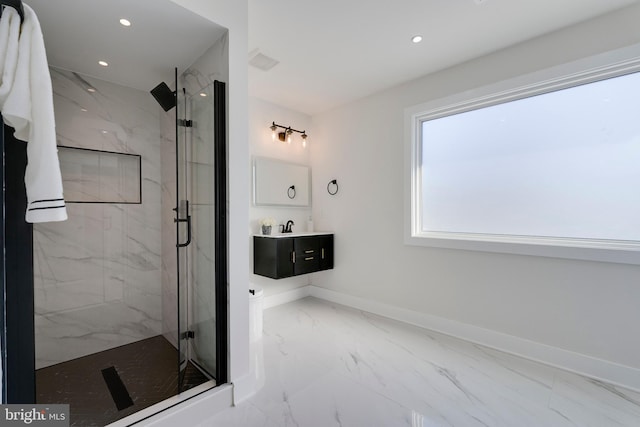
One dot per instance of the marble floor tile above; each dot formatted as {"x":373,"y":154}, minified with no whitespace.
{"x":329,"y":365}
{"x":593,"y":403}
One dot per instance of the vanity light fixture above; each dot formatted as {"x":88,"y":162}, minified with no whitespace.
{"x":287,"y":134}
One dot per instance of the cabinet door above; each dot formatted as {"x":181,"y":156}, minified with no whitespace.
{"x":273,"y":257}
{"x":307,"y":255}
{"x":285,"y":258}
{"x":325,"y":244}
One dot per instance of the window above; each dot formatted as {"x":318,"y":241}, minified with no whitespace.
{"x":549,"y":169}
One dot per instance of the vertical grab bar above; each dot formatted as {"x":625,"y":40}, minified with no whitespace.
{"x":188,"y":221}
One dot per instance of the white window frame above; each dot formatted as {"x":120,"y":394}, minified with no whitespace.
{"x":593,"y":69}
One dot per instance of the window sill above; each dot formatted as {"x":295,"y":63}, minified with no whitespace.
{"x":621,"y":252}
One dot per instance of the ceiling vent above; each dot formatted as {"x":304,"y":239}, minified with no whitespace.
{"x":262,"y":62}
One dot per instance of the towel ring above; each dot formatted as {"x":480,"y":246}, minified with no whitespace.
{"x":291,"y":192}
{"x":333,"y":182}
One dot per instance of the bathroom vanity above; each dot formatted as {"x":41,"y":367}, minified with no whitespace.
{"x":285,"y":255}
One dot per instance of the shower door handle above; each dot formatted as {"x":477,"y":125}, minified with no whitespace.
{"x":187,"y":220}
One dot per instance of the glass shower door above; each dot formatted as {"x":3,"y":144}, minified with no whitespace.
{"x":196,"y":235}
{"x":202,"y":349}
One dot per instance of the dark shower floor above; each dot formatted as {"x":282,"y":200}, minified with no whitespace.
{"x":147,"y":369}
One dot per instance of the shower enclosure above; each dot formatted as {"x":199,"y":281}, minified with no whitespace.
{"x":130,"y":292}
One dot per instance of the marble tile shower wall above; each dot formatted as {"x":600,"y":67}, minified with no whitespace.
{"x":98,"y":275}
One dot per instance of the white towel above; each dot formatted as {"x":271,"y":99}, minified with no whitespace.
{"x":28,"y":107}
{"x":9,"y":34}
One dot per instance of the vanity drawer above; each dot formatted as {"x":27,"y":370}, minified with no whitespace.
{"x":307,"y":255}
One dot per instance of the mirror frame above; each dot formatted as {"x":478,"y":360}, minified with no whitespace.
{"x":284,"y":163}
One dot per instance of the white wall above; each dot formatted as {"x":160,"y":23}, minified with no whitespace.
{"x":233,"y":14}
{"x":584,"y":307}
{"x":261,"y":115}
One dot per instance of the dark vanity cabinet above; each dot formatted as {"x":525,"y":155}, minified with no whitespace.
{"x":279,"y":257}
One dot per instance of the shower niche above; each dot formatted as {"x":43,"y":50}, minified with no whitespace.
{"x":97,"y":176}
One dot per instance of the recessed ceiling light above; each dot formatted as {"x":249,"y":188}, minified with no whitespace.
{"x":84,"y":110}
{"x":90,"y":89}
{"x":203,"y":94}
{"x":103,"y":63}
{"x":125,"y":22}
{"x":416,"y":39}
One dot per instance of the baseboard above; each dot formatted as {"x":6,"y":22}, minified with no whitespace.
{"x":588,"y":366}
{"x":287,"y":296}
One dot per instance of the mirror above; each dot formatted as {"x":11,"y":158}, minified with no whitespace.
{"x":280,"y":183}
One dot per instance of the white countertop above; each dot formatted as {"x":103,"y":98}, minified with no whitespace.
{"x":302,"y":234}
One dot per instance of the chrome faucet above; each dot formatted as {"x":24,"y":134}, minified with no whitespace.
{"x":287,"y":228}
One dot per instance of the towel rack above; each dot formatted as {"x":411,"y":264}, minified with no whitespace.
{"x":17,"y":5}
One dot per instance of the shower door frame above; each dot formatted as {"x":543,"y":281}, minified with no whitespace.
{"x":221,"y":230}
